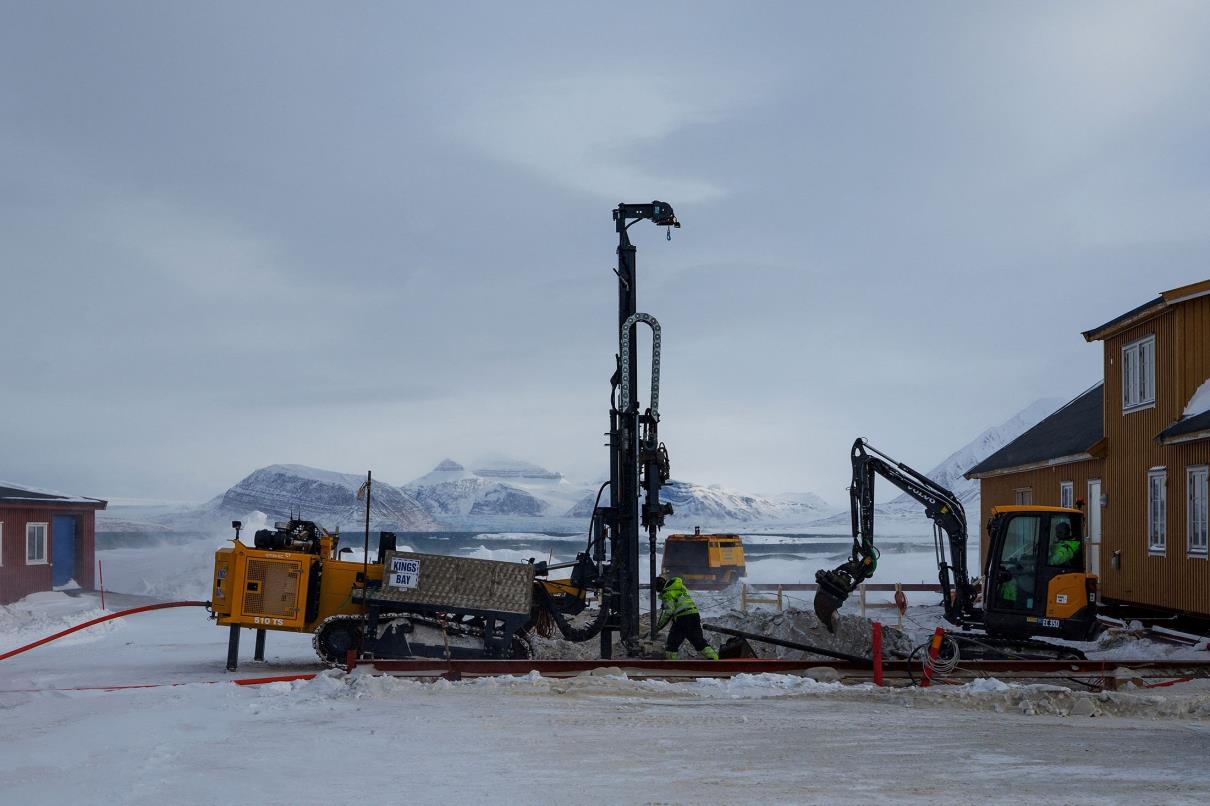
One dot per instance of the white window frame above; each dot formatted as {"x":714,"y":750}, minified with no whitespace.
{"x":1023,"y":496}
{"x":1138,"y":374}
{"x":1067,"y":494}
{"x":45,"y":542}
{"x":1157,"y":539}
{"x":1196,"y":519}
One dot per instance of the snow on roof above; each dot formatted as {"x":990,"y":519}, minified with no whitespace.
{"x":11,"y":491}
{"x":1200,"y":402}
{"x":1194,"y":420}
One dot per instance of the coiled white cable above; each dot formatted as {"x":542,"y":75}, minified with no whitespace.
{"x":942,"y":665}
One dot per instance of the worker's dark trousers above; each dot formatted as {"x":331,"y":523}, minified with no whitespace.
{"x":686,"y":627}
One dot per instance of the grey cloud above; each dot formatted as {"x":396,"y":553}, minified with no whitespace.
{"x":897,"y":219}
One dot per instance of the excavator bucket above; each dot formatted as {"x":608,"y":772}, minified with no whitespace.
{"x":826,"y":605}
{"x":833,"y":588}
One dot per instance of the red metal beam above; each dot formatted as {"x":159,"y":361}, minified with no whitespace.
{"x":455,"y":669}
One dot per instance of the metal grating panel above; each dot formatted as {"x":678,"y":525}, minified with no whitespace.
{"x":278,"y":594}
{"x":464,"y":583}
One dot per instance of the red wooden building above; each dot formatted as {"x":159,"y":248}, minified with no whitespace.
{"x":47,"y":540}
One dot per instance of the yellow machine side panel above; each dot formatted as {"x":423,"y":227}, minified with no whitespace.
{"x":1065,"y":595}
{"x":264,"y":589}
{"x":726,"y":554}
{"x":220,"y":594}
{"x":336,"y":589}
{"x":562,"y":587}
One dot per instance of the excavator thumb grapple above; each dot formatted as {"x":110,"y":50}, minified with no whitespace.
{"x":834,"y":587}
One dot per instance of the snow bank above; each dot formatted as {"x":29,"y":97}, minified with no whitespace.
{"x":987,"y":694}
{"x":41,"y":614}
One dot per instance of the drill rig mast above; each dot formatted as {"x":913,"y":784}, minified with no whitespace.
{"x":638,"y":462}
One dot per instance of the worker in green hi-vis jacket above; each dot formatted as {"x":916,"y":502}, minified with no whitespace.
{"x":676,"y":605}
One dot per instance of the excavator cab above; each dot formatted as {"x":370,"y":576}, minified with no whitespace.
{"x":1035,"y":577}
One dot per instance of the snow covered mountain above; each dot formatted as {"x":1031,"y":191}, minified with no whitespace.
{"x":450,"y":489}
{"x":324,"y":496}
{"x":502,"y":495}
{"x":701,"y":505}
{"x":505,"y":493}
{"x":696,"y":504}
{"x":949,"y":473}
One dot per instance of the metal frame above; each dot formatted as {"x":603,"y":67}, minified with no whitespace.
{"x":638,"y":463}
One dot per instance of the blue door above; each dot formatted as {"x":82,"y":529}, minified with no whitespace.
{"x":63,"y":549}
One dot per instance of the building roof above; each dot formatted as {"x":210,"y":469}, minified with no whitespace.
{"x":1148,"y":309}
{"x":1068,"y":435}
{"x":1187,"y":428}
{"x":11,"y":493}
{"x":1130,"y":317}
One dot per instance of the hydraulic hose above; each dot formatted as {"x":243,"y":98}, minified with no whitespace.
{"x":569,"y":631}
{"x":768,"y":639}
{"x":106,"y":617}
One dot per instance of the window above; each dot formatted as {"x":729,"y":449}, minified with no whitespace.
{"x":35,"y":544}
{"x":1066,"y":548}
{"x":1023,"y":497}
{"x":1157,"y":510}
{"x":1067,"y":494}
{"x":1197,"y":509}
{"x":1138,"y":374}
{"x":1017,"y":576}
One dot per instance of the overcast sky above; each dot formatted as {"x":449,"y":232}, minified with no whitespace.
{"x":364,"y":236}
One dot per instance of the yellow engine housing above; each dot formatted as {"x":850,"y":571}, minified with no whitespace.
{"x":272,"y":589}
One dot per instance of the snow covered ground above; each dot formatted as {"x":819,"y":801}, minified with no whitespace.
{"x":767,"y":738}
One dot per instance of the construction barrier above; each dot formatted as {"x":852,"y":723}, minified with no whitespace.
{"x":899,"y":601}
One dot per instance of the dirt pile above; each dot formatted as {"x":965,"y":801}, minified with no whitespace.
{"x":853,"y":636}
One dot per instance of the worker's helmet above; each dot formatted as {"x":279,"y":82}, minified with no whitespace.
{"x":659,"y":584}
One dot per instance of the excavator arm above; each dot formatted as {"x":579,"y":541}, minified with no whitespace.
{"x":940,"y":504}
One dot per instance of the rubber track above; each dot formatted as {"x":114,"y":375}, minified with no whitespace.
{"x":461,"y":629}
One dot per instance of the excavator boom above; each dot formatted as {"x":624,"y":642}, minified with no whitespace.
{"x":940,"y":504}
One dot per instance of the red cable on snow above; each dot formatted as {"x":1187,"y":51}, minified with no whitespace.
{"x":242,"y":681}
{"x":107,"y":617}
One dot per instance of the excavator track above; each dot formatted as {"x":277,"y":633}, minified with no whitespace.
{"x":430,"y":638}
